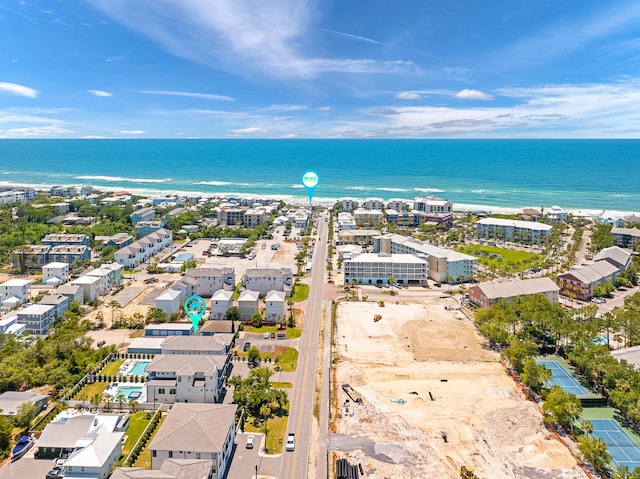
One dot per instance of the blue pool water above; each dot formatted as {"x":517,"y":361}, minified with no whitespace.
{"x":139,"y":368}
{"x":129,"y":392}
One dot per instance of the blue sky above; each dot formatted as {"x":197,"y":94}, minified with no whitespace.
{"x":319,"y":69}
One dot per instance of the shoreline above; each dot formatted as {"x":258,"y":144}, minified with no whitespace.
{"x":301,"y":199}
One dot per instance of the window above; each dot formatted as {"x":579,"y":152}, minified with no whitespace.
{"x":161,"y":391}
{"x":197,"y":455}
{"x":172,"y":391}
{"x":154,"y":453}
{"x":170,"y":454}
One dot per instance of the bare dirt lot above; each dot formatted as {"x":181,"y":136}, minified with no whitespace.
{"x":419,"y":351}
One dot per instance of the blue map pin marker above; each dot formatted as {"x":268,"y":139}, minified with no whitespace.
{"x":195,"y":307}
{"x":310,"y":180}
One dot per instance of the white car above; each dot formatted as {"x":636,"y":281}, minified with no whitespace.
{"x":250,"y":441}
{"x":266,"y":335}
{"x":291,"y":442}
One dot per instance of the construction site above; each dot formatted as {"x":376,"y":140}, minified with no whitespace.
{"x":418,"y":394}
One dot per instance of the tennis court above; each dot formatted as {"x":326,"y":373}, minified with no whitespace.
{"x":623,"y":449}
{"x":563,"y":378}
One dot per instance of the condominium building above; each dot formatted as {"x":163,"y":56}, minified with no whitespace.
{"x":140,"y":251}
{"x":377,"y":268}
{"x":529,"y":232}
{"x":211,"y":280}
{"x":626,"y":237}
{"x":432,"y":204}
{"x":347,"y":204}
{"x":486,"y":294}
{"x":373,"y":204}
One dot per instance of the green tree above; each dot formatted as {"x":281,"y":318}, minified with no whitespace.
{"x":24,"y":415}
{"x":6,"y":429}
{"x":233,"y":314}
{"x":156,"y":315}
{"x":561,"y":408}
{"x":256,"y":319}
{"x":253,"y":354}
{"x":535,"y":376}
{"x":594,"y":450}
{"x":120,"y":398}
{"x":519,"y":352}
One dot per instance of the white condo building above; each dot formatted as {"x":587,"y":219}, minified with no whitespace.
{"x":376,"y":268}
{"x":513,"y":230}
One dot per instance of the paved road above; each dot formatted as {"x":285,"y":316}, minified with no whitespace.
{"x":294,"y":465}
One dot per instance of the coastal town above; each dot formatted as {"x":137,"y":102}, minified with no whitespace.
{"x":370,"y":337}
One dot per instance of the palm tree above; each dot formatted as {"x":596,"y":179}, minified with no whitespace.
{"x":449,"y":280}
{"x":120,"y":398}
{"x":391,"y":280}
{"x":133,"y":402}
{"x":95,"y":400}
{"x":82,"y":397}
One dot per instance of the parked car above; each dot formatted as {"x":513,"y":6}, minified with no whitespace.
{"x":246,"y":347}
{"x":266,"y":335}
{"x":250,"y":441}
{"x":55,"y":473}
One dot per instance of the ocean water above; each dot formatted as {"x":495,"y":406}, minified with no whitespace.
{"x":585,"y":175}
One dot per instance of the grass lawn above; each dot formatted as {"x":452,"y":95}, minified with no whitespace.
{"x":489,"y":255}
{"x":262,"y":329}
{"x":113,"y":368}
{"x":300,"y":292}
{"x":287,"y":357}
{"x":144,"y":459}
{"x":90,"y":390}
{"x":281,"y":385}
{"x":275,"y":435}
{"x":294,"y":333}
{"x":138,"y":422}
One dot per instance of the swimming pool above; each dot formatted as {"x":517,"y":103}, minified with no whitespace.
{"x":139,"y":368}
{"x":129,"y":392}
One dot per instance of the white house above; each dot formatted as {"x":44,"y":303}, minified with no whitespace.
{"x":397,"y":204}
{"x":211,"y":280}
{"x":346,"y":221}
{"x":347,"y":204}
{"x":16,"y":288}
{"x":274,"y":305}
{"x":140,"y":251}
{"x":104,"y":275}
{"x":248,"y":303}
{"x":221,"y":301}
{"x":266,"y":279}
{"x":169,"y":301}
{"x":196,"y":431}
{"x":102,"y":449}
{"x":36,"y":318}
{"x":90,"y":287}
{"x":432,"y":204}
{"x":55,"y":271}
{"x":365,"y":217}
{"x":176,"y":378}
{"x":10,"y":325}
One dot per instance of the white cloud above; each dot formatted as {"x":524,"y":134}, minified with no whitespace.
{"x":35,"y":131}
{"x":289,"y":135}
{"x":19,"y":90}
{"x":243,"y":37}
{"x":357,"y":38}
{"x":131,"y":132}
{"x":324,"y":108}
{"x":248,"y":131}
{"x":408,"y":95}
{"x":94,"y":137}
{"x":204,"y":96}
{"x":468,"y":94}
{"x":99,"y":93}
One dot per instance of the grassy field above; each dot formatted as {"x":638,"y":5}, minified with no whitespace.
{"x":90,"y":390}
{"x":144,"y":459}
{"x":300,"y":292}
{"x":275,"y":436}
{"x":281,"y":385}
{"x":138,"y":423}
{"x":500,"y":257}
{"x":113,"y":367}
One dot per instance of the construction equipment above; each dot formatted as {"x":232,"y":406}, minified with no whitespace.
{"x":466,"y":472}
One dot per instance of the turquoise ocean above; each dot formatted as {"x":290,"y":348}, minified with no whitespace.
{"x":580,"y":175}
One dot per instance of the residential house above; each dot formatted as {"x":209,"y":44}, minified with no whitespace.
{"x":31,"y":256}
{"x":208,"y":345}
{"x":254,"y":217}
{"x":59,"y":302}
{"x":67,"y":253}
{"x":555,"y":214}
{"x":37,"y":318}
{"x":10,"y":325}
{"x":169,"y":301}
{"x":104,"y":277}
{"x":360,"y":237}
{"x":615,"y":255}
{"x":377,"y":268}
{"x":119,"y":240}
{"x":145,"y":228}
{"x":16,"y":288}
{"x":10,"y":401}
{"x":487,"y":294}
{"x":176,"y":378}
{"x":55,"y":273}
{"x":402,"y":218}
{"x":169,"y":329}
{"x":248,"y":303}
{"x":170,"y":469}
{"x":90,"y":287}
{"x":196,"y":431}
{"x":432,"y":204}
{"x":347,"y":204}
{"x":144,"y":214}
{"x":211,"y":280}
{"x":275,"y":303}
{"x":373,"y":204}
{"x":221,"y":301}
{"x":398,"y":204}
{"x":530,"y":214}
{"x":529,"y":232}
{"x":74,"y":292}
{"x":346,"y":221}
{"x":581,"y":282}
{"x":66,"y":239}
{"x":214,"y":328}
{"x":264,"y":280}
{"x":368,"y":217}
{"x":140,"y":251}
{"x":626,"y":237}
{"x":187,"y":287}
